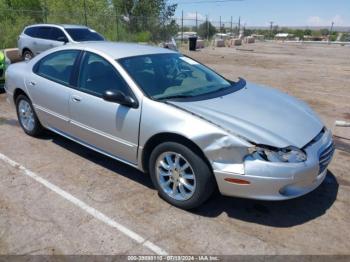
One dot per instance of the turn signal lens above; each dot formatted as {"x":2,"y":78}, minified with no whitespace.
{"x":237,"y":181}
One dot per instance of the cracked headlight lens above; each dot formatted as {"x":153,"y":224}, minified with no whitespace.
{"x":288,"y":155}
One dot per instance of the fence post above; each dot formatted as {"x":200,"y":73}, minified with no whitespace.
{"x":44,"y":12}
{"x":182,"y":26}
{"x":85,"y":16}
{"x":117,"y":24}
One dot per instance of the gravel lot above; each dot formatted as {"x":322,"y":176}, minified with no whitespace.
{"x":36,"y":220}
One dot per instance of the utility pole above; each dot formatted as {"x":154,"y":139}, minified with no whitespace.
{"x":220,"y":24}
{"x":330,"y":33}
{"x":207,"y":22}
{"x":182,"y":26}
{"x":231,"y":26}
{"x":196,"y":22}
{"x":239,"y":25}
{"x":271,"y":25}
{"x":85,"y":16}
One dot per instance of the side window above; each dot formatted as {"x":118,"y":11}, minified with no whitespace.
{"x":43,"y":32}
{"x":58,"y":66}
{"x":97,"y":75}
{"x":31,"y":31}
{"x":57,"y":34}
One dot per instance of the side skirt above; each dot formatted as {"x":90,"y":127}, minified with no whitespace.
{"x":92,"y":147}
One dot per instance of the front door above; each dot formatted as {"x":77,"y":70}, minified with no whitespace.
{"x":106,"y":126}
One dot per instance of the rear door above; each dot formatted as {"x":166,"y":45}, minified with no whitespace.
{"x":50,"y":88}
{"x":106,"y":126}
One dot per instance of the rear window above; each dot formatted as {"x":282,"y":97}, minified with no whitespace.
{"x":84,"y":34}
{"x":57,"y":66}
{"x":31,"y":31}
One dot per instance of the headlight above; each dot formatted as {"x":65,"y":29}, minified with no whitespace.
{"x":289,"y":154}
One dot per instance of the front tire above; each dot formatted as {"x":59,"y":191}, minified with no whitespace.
{"x":181,"y":176}
{"x":27,"y":117}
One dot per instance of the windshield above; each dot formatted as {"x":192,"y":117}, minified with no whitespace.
{"x":84,"y":34}
{"x":165,"y":76}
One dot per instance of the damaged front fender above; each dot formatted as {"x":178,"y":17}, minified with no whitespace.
{"x":224,"y":151}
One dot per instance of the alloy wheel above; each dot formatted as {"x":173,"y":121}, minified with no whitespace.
{"x":26,"y":115}
{"x":175,"y":176}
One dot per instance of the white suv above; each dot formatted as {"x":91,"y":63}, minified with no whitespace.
{"x":37,"y":38}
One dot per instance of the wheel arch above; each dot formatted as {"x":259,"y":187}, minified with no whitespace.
{"x":26,"y":49}
{"x":169,"y":137}
{"x":17,"y":93}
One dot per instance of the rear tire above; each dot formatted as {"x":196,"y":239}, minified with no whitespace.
{"x":27,"y":117}
{"x":27,"y":55}
{"x":194,"y":184}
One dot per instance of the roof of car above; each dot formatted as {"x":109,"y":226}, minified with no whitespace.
{"x":59,"y":25}
{"x":119,"y":50}
{"x":73,"y":26}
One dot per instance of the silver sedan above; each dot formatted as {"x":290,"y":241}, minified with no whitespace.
{"x":168,"y":115}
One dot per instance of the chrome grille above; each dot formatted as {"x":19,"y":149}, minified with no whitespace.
{"x":326,"y":157}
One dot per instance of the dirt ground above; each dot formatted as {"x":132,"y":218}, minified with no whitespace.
{"x":36,"y":220}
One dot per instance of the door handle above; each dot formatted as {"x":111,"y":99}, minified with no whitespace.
{"x":76,"y":99}
{"x":32,"y":83}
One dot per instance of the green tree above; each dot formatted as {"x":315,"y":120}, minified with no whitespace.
{"x":333,"y":38}
{"x":299,"y":33}
{"x":23,"y":4}
{"x":324,"y":32}
{"x":130,"y":20}
{"x":307,"y":32}
{"x":14,"y":16}
{"x":345,"y":37}
{"x":248,"y":32}
{"x":316,"y":33}
{"x":206,"y":30}
{"x":96,"y":12}
{"x":154,"y":16}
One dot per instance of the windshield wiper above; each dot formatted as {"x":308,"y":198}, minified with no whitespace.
{"x":174,"y":96}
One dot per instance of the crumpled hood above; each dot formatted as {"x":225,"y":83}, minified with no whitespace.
{"x":260,"y":114}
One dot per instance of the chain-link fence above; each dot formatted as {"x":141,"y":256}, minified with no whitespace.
{"x":113,"y":27}
{"x":205,"y":28}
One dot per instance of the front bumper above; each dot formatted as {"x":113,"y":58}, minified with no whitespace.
{"x":280,"y":181}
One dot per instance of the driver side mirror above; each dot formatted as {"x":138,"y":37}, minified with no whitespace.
{"x":119,"y":97}
{"x":62,"y":39}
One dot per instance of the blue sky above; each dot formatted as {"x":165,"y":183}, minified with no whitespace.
{"x":282,"y":12}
